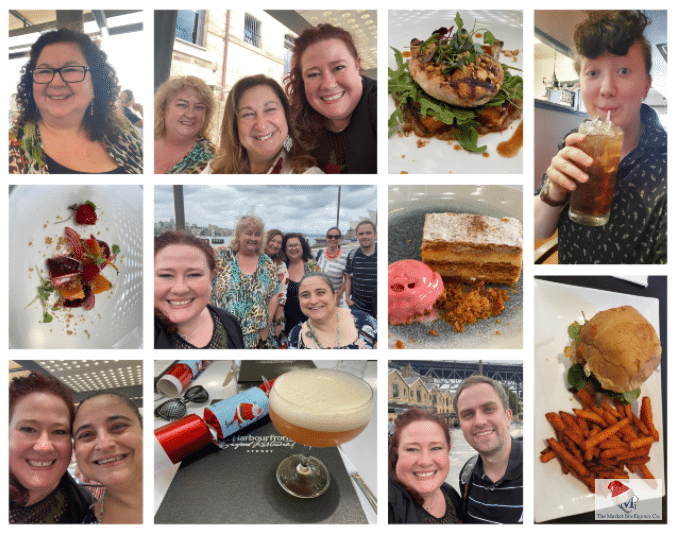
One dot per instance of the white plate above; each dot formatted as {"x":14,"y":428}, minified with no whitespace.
{"x":407,"y":208}
{"x":439,"y":156}
{"x":556,"y":307}
{"x":116,"y":320}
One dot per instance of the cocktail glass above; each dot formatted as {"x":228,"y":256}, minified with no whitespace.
{"x":316,"y":408}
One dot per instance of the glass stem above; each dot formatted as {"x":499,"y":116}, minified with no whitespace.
{"x":304,"y":468}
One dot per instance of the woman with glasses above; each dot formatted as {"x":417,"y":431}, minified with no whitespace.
{"x":332,"y":261}
{"x":299,"y":262}
{"x":67,"y":121}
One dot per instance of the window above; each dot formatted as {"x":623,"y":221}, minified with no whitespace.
{"x":395,"y":390}
{"x":191,"y":26}
{"x":287,"y":53}
{"x":252,"y":31}
{"x":418,"y":396}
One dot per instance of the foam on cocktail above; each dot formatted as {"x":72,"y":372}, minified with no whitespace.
{"x":322,"y":399}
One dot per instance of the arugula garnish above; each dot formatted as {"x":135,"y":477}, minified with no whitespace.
{"x":450,"y":51}
{"x":45,"y":290}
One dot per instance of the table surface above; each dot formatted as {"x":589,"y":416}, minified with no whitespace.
{"x":212,"y":379}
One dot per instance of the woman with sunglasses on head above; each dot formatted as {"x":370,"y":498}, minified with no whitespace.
{"x":41,"y":411}
{"x":67,"y":121}
{"x":108,"y":444}
{"x":332,"y":261}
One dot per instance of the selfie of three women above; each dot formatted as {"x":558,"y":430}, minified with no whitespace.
{"x":68,"y":114}
{"x":290,"y":278}
{"x":75,"y":442}
{"x":298,"y":95}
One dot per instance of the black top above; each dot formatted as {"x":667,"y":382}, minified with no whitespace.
{"x":58,"y":168}
{"x":130,"y":115}
{"x":354,"y":150}
{"x":403,"y":509}
{"x":500,"y":501}
{"x":229,"y":321}
{"x":636,"y":231}
{"x":68,"y":503}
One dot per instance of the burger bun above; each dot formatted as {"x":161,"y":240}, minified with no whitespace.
{"x":620,"y":347}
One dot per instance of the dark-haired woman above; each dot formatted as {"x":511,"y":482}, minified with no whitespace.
{"x":613,"y":61}
{"x":256,"y":133}
{"x":184,"y":268}
{"x":41,"y":411}
{"x":274,"y":240}
{"x":334,"y":108}
{"x":418,"y":464}
{"x":108,"y":444}
{"x":67,"y":120}
{"x":299,"y":262}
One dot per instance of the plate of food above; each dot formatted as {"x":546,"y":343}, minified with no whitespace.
{"x":467,"y":314}
{"x":455,"y":92}
{"x":610,"y":370}
{"x":75,"y":278}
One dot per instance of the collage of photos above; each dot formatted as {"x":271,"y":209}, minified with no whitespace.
{"x":464,"y":176}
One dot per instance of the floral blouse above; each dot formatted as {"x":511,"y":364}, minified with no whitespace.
{"x":197,"y":159}
{"x":245,"y":296}
{"x":26,"y":155}
{"x":367,"y":333}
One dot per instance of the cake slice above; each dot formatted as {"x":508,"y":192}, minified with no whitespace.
{"x":473,"y":248}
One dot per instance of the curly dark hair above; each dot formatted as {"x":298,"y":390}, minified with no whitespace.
{"x":612,"y":32}
{"x":232,"y":156}
{"x":306,"y":249}
{"x":401,"y":421}
{"x":100,"y":120}
{"x":177,"y":237}
{"x":308,"y":123}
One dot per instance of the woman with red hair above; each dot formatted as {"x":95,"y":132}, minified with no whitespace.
{"x":334,"y":108}
{"x":418,"y":464}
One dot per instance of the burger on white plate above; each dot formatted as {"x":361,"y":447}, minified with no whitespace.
{"x":614,"y":353}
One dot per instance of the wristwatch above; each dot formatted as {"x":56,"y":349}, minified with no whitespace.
{"x":544,"y":196}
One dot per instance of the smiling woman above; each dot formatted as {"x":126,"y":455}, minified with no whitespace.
{"x":108,"y":444}
{"x":256,"y":133}
{"x":184,"y":268}
{"x":40,"y":490}
{"x":418,"y":464}
{"x":67,"y":122}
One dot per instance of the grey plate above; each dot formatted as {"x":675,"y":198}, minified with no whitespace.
{"x":408,"y":206}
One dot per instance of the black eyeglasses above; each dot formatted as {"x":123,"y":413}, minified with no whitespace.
{"x":333,"y":236}
{"x":70,"y":74}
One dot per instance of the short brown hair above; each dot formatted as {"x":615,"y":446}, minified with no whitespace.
{"x":612,"y":32}
{"x":480,"y":379}
{"x":20,"y":386}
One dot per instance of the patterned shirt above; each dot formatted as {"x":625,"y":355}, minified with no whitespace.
{"x":197,"y":159}
{"x":334,"y":268}
{"x":26,"y":155}
{"x":367,"y":333}
{"x":636,"y":231}
{"x":245,"y":296}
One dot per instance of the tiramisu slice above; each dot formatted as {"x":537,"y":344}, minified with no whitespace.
{"x":473,"y":248}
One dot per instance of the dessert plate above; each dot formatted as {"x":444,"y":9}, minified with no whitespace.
{"x":404,"y":153}
{"x":556,"y":306}
{"x":408,"y":206}
{"x":116,"y":319}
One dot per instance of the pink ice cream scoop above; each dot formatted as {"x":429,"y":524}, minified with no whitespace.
{"x":412,"y":289}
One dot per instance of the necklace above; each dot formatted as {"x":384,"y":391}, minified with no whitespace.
{"x":101,"y":514}
{"x":330,"y":256}
{"x":194,"y":330}
{"x":311,"y":333}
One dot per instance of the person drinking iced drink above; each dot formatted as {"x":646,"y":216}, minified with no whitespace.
{"x":614,"y":61}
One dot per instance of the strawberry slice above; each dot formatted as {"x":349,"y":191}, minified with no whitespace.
{"x":86,"y":213}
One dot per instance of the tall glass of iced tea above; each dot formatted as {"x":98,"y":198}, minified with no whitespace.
{"x":316,"y":408}
{"x":591,"y":202}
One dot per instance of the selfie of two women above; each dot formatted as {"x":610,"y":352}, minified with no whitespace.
{"x":75,"y":441}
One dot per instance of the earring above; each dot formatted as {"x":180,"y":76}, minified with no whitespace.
{"x":91,"y":108}
{"x":288,"y":143}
